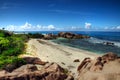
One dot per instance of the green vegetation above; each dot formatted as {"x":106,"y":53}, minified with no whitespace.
{"x":36,"y":35}
{"x":11,"y":45}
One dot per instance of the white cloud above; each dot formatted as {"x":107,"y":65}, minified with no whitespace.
{"x":28,"y":26}
{"x":51,"y":27}
{"x":39,"y":26}
{"x":118,"y":27}
{"x":106,"y":28}
{"x":112,"y":28}
{"x":11,"y":28}
{"x":88,"y":25}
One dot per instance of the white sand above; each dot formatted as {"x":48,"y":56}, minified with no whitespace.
{"x":52,"y":52}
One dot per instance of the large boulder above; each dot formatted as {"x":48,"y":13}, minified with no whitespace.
{"x":105,"y":67}
{"x":49,"y":36}
{"x":34,"y":60}
{"x":70,"y":35}
{"x":61,"y":34}
{"x":50,"y":71}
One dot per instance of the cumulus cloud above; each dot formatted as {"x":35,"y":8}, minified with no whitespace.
{"x":88,"y":25}
{"x":118,"y":27}
{"x":51,"y":27}
{"x":28,"y":26}
{"x":112,"y":28}
{"x":11,"y":27}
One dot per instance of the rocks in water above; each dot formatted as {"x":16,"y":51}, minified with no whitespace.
{"x":67,"y":35}
{"x":101,"y":68}
{"x":61,"y":34}
{"x":49,"y":36}
{"x":70,"y":35}
{"x":76,"y":60}
{"x":50,"y":71}
{"x":108,"y":43}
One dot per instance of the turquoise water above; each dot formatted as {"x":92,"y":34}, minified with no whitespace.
{"x":85,"y":44}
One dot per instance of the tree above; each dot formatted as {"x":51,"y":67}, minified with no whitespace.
{"x":3,"y":28}
{"x":4,"y":43}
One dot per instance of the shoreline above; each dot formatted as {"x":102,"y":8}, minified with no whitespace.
{"x":63,"y":55}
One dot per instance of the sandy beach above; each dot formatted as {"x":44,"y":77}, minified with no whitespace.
{"x":52,"y":52}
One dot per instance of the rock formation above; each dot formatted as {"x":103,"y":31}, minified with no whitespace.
{"x":51,"y":71}
{"x":34,"y":60}
{"x":67,"y":35}
{"x":49,"y":36}
{"x":70,"y":35}
{"x":105,"y":67}
{"x":102,"y":68}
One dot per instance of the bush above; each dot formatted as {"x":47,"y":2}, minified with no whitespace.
{"x":36,"y":35}
{"x":13,"y":63}
{"x":11,"y":45}
{"x":12,"y":52}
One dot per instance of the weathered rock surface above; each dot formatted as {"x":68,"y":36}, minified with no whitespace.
{"x":102,"y":68}
{"x":67,"y":35}
{"x":34,"y":60}
{"x":27,"y":60}
{"x":50,"y":71}
{"x":49,"y":36}
{"x":70,"y":35}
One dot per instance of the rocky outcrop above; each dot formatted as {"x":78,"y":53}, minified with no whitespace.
{"x":105,"y":67}
{"x":70,"y":35}
{"x":49,"y":36}
{"x":67,"y":35}
{"x":23,"y":61}
{"x":34,"y":60}
{"x":51,"y":71}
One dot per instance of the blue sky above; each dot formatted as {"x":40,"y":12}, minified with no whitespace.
{"x":60,"y":14}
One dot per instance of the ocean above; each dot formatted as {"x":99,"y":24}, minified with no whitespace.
{"x":93,"y":44}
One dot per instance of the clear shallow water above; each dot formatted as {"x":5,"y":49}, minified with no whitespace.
{"x":87,"y":45}
{"x":94,"y":44}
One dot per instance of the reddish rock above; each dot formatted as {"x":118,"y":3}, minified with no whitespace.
{"x":70,"y":35}
{"x":61,"y":34}
{"x":101,"y":68}
{"x":34,"y":60}
{"x":83,"y":63}
{"x":30,"y":72}
{"x":49,"y":36}
{"x":109,"y":56}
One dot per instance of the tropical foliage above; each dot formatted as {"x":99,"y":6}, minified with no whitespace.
{"x":11,"y":45}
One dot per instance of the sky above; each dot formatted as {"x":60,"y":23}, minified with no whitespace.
{"x":38,"y":15}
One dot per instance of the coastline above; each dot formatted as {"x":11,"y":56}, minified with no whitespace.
{"x":52,"y":52}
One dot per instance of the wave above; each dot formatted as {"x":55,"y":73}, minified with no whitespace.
{"x":101,"y":41}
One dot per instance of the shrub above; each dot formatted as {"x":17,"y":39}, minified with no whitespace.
{"x":12,"y":52}
{"x":13,"y":63}
{"x":11,"y":45}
